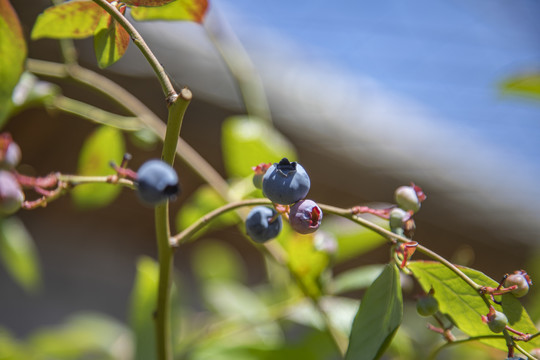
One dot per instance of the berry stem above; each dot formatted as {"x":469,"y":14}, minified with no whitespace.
{"x":133,"y":105}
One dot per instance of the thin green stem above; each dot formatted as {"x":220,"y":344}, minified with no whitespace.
{"x":347,"y":213}
{"x":164,"y":80}
{"x":524,"y":352}
{"x":80,"y":180}
{"x":95,"y":114}
{"x":163,"y":232}
{"x":191,"y":230}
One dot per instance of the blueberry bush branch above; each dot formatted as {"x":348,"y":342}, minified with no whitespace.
{"x":164,"y":80}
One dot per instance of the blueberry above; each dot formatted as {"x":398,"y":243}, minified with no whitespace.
{"x":263,"y":223}
{"x":407,"y":198}
{"x":157,"y":182}
{"x":305,"y":216}
{"x":286,"y":182}
{"x":522,"y":280}
{"x":11,"y":194}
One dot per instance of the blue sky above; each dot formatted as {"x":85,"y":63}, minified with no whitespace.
{"x":449,"y":56}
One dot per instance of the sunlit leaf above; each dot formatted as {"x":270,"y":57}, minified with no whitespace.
{"x":19,"y":254}
{"x":188,"y":10}
{"x":217,"y":260}
{"x":353,"y":240}
{"x":13,"y":55}
{"x":104,"y":145}
{"x":378,"y":318}
{"x":83,"y":335}
{"x":204,"y":200}
{"x":10,"y":347}
{"x":234,"y":301}
{"x":463,"y":304}
{"x":111,"y":41}
{"x":71,"y":19}
{"x":248,"y":142}
{"x":339,"y":310}
{"x":143,"y":305}
{"x":527,"y":85}
{"x":356,"y":279}
{"x":307,"y":262}
{"x":147,"y":2}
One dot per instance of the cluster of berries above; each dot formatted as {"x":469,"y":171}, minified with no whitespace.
{"x":286,"y":184}
{"x":11,"y":193}
{"x":408,"y":200}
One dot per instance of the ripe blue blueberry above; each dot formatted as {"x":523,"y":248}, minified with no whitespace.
{"x":263,"y":223}
{"x":11,"y":194}
{"x":305,"y":216}
{"x":286,"y":182}
{"x":157,"y":182}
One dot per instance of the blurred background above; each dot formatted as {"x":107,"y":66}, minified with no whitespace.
{"x":372,"y":95}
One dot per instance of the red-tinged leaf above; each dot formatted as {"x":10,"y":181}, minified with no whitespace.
{"x":73,"y":19}
{"x":12,"y":55}
{"x":110,"y":42}
{"x":187,"y":10}
{"x":147,"y":2}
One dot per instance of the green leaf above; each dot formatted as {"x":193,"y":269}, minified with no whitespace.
{"x":248,"y":142}
{"x":356,"y":278}
{"x":238,"y":303}
{"x":378,"y":317}
{"x":307,"y":262}
{"x":353,"y":240}
{"x":215,"y":260}
{"x":104,"y":145}
{"x":147,"y":2}
{"x":72,"y":19}
{"x":19,"y":253}
{"x":463,"y":304}
{"x":143,"y":305}
{"x":85,"y":335}
{"x":187,"y":10}
{"x":204,"y":200}
{"x":111,"y":41}
{"x":13,"y":50}
{"x":527,"y":85}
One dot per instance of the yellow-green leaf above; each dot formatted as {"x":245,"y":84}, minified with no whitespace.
{"x":248,"y":142}
{"x":12,"y":56}
{"x":111,"y":41}
{"x":187,"y":10}
{"x":72,"y":19}
{"x":463,"y":304}
{"x":104,"y":145}
{"x":147,"y":2}
{"x":527,"y":85}
{"x":143,"y":305}
{"x":306,"y":261}
{"x":19,"y":254}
